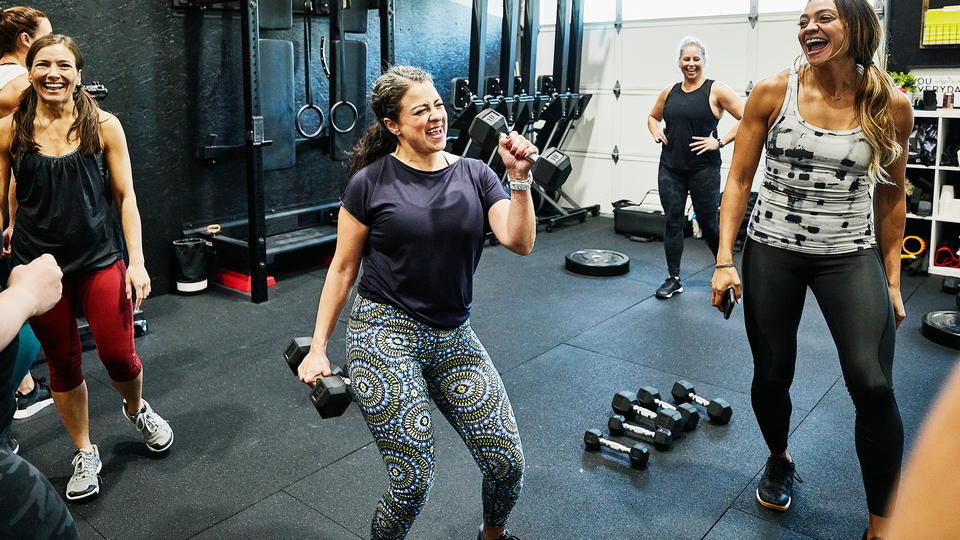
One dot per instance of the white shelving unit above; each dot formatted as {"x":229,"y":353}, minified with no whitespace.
{"x":943,"y":227}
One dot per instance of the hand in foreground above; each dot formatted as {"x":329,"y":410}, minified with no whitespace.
{"x":513,"y":149}
{"x":137,"y":281}
{"x":41,"y":279}
{"x":723,"y":279}
{"x":314,"y":366}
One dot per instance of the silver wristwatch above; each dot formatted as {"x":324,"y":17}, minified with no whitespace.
{"x":521,"y":185}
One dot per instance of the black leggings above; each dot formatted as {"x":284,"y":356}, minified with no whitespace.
{"x":852,"y":292}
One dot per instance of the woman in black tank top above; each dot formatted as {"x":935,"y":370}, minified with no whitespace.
{"x":690,"y":155}
{"x":72,"y":169}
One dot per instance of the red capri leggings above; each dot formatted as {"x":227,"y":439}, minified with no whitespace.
{"x":101,"y":297}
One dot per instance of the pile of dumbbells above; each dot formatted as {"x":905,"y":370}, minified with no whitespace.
{"x":650,"y":419}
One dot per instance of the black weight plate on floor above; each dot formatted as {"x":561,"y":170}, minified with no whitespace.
{"x":598,"y":262}
{"x":943,"y":328}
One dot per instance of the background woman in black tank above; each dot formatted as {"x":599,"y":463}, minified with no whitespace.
{"x":690,"y":156}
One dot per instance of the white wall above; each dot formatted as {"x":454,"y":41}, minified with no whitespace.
{"x":643,"y":58}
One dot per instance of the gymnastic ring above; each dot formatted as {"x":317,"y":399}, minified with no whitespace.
{"x":923,"y":246}
{"x":213,"y":229}
{"x":356,"y":116}
{"x":300,"y":130}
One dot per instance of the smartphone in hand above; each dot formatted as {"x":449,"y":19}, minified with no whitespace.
{"x":729,"y":300}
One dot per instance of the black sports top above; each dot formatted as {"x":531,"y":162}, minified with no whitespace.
{"x":688,"y":114}
{"x":65,"y":209}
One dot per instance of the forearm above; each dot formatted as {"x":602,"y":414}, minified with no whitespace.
{"x":132,"y":230}
{"x":732,"y":208}
{"x":15,"y":304}
{"x":521,"y":223}
{"x":333,"y":298}
{"x":890,"y":211}
{"x":731,"y":135}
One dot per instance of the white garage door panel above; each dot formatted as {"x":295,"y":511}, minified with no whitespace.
{"x":594,"y":181}
{"x":600,"y":67}
{"x":650,"y":52}
{"x":635,"y":138}
{"x":545,"y":52}
{"x":596,"y":130}
{"x":777,"y":47}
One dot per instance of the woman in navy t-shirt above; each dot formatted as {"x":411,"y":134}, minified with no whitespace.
{"x":415,"y":216}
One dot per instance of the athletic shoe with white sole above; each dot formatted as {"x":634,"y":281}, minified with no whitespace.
{"x":34,"y":401}
{"x":85,"y":482}
{"x":670,"y":286}
{"x":156,"y":432}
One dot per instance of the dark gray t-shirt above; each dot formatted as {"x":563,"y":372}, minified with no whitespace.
{"x":426,"y":235}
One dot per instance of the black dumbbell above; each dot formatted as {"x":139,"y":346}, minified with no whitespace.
{"x":624,"y":405}
{"x":718,"y":410}
{"x":661,"y":438}
{"x":649,"y":397}
{"x":549,"y":170}
{"x":331,"y":395}
{"x":638,"y":454}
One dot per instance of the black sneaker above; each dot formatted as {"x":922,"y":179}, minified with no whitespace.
{"x":670,"y":286}
{"x":34,"y":401}
{"x":776,"y":486}
{"x":505,"y":536}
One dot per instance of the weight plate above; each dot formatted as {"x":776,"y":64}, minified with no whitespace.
{"x":598,"y":262}
{"x":942,"y":327}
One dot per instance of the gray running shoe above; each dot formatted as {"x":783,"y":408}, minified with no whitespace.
{"x":84,"y":482}
{"x":156,"y":432}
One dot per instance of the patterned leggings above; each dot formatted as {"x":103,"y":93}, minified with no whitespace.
{"x":395,"y":364}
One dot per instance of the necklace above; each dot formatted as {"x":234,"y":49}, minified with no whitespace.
{"x":835,"y":98}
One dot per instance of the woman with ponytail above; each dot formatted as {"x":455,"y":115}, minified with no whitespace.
{"x":72,"y":169}
{"x":415,"y":216}
{"x":829,"y":216}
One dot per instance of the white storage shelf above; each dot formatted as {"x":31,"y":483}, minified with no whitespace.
{"x":943,"y":226}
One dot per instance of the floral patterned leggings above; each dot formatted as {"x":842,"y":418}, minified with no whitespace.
{"x":395,"y":365}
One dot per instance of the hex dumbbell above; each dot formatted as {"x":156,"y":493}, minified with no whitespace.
{"x":331,"y":395}
{"x":718,"y":410}
{"x":624,"y":405}
{"x":649,"y":397}
{"x":660,"y":438}
{"x":549,"y":170}
{"x":638,"y":454}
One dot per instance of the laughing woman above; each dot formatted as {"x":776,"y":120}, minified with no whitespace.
{"x":690,"y":153}
{"x":415,"y":215}
{"x":829,"y":216}
{"x":71,"y":166}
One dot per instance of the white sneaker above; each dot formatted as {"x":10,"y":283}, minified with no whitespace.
{"x":156,"y":432}
{"x":84,"y":482}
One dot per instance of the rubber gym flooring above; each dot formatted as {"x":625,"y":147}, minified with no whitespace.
{"x":252,"y":459}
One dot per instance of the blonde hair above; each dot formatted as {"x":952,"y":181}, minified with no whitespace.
{"x":690,"y":40}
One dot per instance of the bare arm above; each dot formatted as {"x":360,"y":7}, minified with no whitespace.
{"x":726,"y":100}
{"x":121,"y":182}
{"x":656,"y":116}
{"x":32,"y":289}
{"x":890,"y":208}
{"x":7,"y":195}
{"x":351,"y":238}
{"x":926,"y":507}
{"x":514,"y":220}
{"x":758,"y":114}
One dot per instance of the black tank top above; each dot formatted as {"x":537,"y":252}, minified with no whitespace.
{"x":688,"y":115}
{"x":65,"y":209}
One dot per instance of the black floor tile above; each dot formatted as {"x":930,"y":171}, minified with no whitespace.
{"x":252,"y":459}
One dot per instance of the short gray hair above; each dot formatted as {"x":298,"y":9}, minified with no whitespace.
{"x":690,"y":40}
